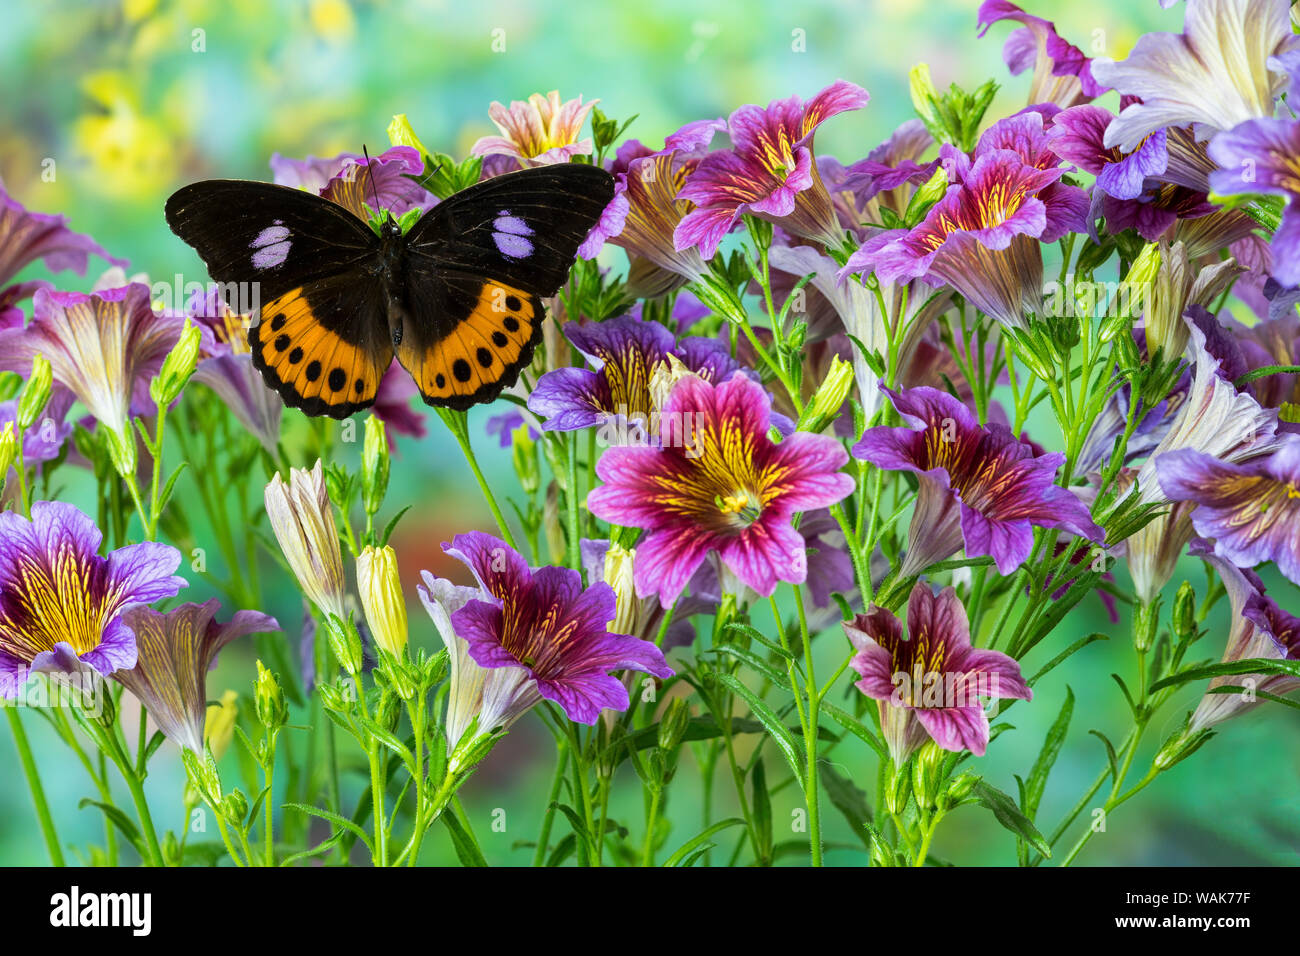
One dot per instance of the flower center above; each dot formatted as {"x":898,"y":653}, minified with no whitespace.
{"x":742,"y":507}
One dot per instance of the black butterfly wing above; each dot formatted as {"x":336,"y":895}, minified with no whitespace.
{"x":478,"y":266}
{"x":310,"y":271}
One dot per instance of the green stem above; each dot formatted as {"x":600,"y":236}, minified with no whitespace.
{"x":811,"y":797}
{"x":456,"y":423}
{"x":34,"y":785}
{"x":543,"y":838}
{"x":647,"y":849}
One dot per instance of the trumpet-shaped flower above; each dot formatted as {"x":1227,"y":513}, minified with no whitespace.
{"x":930,"y":682}
{"x":303,"y":521}
{"x":1263,"y":156}
{"x":1220,"y":71}
{"x":174,"y":653}
{"x":544,"y":625}
{"x":980,"y":488}
{"x":769,"y":171}
{"x":1250,"y":510}
{"x":538,"y":132}
{"x":626,"y":353}
{"x":1078,"y":136}
{"x":715,"y":481}
{"x":354,"y":181}
{"x":61,"y":604}
{"x":1062,"y":73}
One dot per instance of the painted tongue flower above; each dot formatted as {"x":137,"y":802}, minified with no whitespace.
{"x":980,"y":488}
{"x":1223,"y":69}
{"x":354,"y":182}
{"x":930,"y":682}
{"x":646,"y":210}
{"x":1259,"y":629}
{"x":546,"y":625}
{"x":627,"y":353}
{"x":226,"y":366}
{"x":27,"y":236}
{"x":538,"y":132}
{"x":175,"y":651}
{"x":104,"y":347}
{"x":1078,"y":136}
{"x":61,"y":604}
{"x":1251,"y":510}
{"x":1263,"y":156}
{"x":769,"y":171}
{"x":1062,"y":73}
{"x":303,"y":521}
{"x":716,"y":481}
{"x":886,"y":178}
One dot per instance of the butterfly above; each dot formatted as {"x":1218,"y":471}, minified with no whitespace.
{"x":457,"y":298}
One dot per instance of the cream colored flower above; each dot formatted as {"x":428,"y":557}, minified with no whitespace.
{"x":303,"y":521}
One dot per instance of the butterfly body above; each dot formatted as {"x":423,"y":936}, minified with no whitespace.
{"x":457,"y":299}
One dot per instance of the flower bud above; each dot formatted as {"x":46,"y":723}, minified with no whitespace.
{"x":374,"y":466}
{"x":380,"y":588}
{"x":959,"y":789}
{"x":1146,"y":624}
{"x":177,"y":367}
{"x":400,"y":133}
{"x":925,"y":775}
{"x":219,"y":724}
{"x":663,"y":377}
{"x":345,"y":642}
{"x":202,"y":773}
{"x":272,"y":711}
{"x":825,"y":405}
{"x":672,"y":725}
{"x":618,"y":575}
{"x":924,"y":94}
{"x":929,"y":193}
{"x":235,"y":808}
{"x":122,"y":450}
{"x":523,"y":454}
{"x":36,"y":393}
{"x":389,"y":711}
{"x":8,"y":449}
{"x":1180,"y":746}
{"x":1184,"y":613}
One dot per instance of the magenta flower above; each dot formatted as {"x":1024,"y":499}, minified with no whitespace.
{"x":887,"y":169}
{"x":27,"y":236}
{"x":538,"y":132}
{"x":980,"y":488}
{"x":1263,"y":156}
{"x":769,"y":171}
{"x":715,"y":481}
{"x":1062,"y":73}
{"x":1077,"y":136}
{"x":1223,"y":69}
{"x":544,"y":623}
{"x":175,"y":651}
{"x":1259,"y":630}
{"x":646,"y":210}
{"x":1251,"y":510}
{"x":626,"y":353}
{"x":393,"y":405}
{"x":61,"y":604}
{"x":354,"y":182}
{"x":930,"y":682}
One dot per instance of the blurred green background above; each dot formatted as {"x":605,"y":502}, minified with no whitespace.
{"x":131,"y":100}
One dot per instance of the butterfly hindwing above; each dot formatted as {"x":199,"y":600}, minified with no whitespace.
{"x":493,"y":328}
{"x":478,"y":266}
{"x":324,"y":346}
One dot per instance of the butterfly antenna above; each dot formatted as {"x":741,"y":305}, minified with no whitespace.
{"x":374,"y":190}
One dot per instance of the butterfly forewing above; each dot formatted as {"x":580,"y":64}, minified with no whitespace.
{"x":479,"y":265}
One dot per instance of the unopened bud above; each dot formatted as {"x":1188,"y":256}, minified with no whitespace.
{"x":380,"y":588}
{"x":1184,"y":613}
{"x":672,"y":726}
{"x":272,"y":711}
{"x":36,"y":393}
{"x":177,"y":367}
{"x":374,"y":466}
{"x":825,"y":405}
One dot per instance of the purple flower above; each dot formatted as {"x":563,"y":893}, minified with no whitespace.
{"x":1160,"y":206}
{"x":60,"y":602}
{"x":393,"y":405}
{"x":1272,"y":342}
{"x":769,"y":171}
{"x":175,"y":652}
{"x":505,"y":425}
{"x":646,"y":210}
{"x":887,"y":169}
{"x":643,"y":617}
{"x":105,"y":347}
{"x":1263,"y":156}
{"x":544,"y":623}
{"x":1259,"y":629}
{"x":1251,"y":510}
{"x":1220,"y":71}
{"x":980,"y":488}
{"x":627,"y":353}
{"x":983,"y":236}
{"x":715,"y":481}
{"x":226,"y":366}
{"x":28,"y":236}
{"x":354,"y":182}
{"x":930,"y":683}
{"x":1062,"y":73}
{"x":1077,"y":136}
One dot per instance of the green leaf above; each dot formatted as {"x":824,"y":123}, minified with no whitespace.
{"x":756,"y":663}
{"x":1078,"y":645}
{"x":768,"y":718}
{"x":848,"y":798}
{"x":1262,"y":695}
{"x":1253,"y":665}
{"x":1037,"y":782}
{"x":323,"y":847}
{"x":578,"y":826}
{"x":389,"y":740}
{"x":684,"y":851}
{"x":1008,"y":814}
{"x":467,"y":851}
{"x":388,"y":528}
{"x":118,"y":819}
{"x":334,"y":818}
{"x":1111,"y":757}
{"x":166,"y":494}
{"x":754,"y":634}
{"x":762,"y":810}
{"x":563,"y":850}
{"x":855,"y":727}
